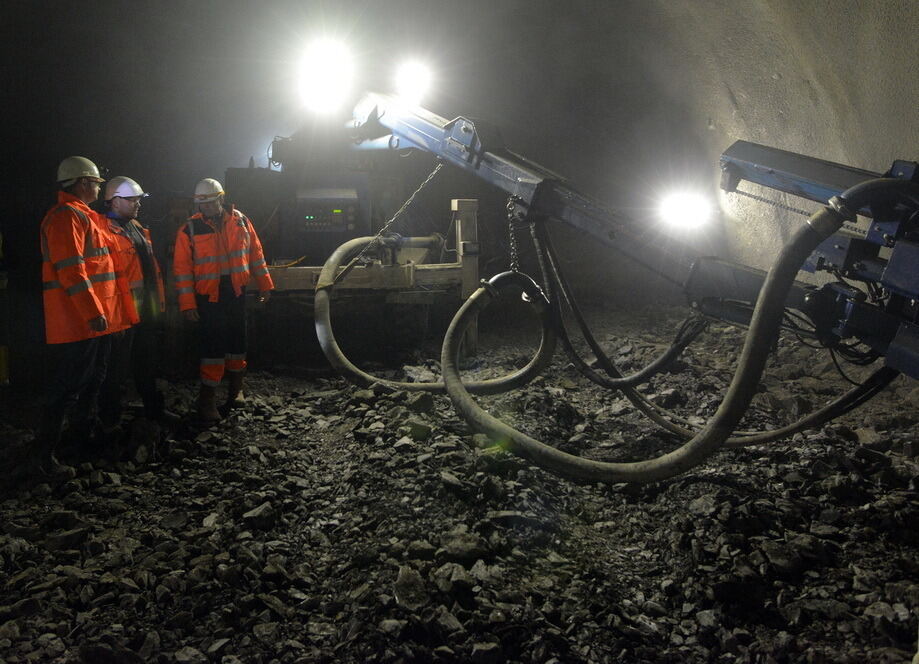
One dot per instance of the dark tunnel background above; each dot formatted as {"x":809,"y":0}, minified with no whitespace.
{"x":324,"y":522}
{"x":627,"y":99}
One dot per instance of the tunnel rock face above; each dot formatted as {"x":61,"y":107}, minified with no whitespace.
{"x":634,"y":98}
{"x":322,"y":521}
{"x":627,"y":98}
{"x":826,"y":79}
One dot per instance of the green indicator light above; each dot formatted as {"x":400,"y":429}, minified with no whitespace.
{"x":336,"y":211}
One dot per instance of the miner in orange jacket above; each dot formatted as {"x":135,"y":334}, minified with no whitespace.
{"x":83,"y":303}
{"x":217,"y":252}
{"x":135,"y":349}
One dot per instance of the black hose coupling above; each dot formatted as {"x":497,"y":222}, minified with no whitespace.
{"x":489,"y":288}
{"x":841,"y":207}
{"x":827,"y":221}
{"x":390,"y":241}
{"x":875,"y":191}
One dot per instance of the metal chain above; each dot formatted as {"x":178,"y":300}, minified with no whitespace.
{"x":408,"y":201}
{"x":513,"y":216}
{"x":781,"y":206}
{"x":392,"y":220}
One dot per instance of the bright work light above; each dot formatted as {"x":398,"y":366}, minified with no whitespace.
{"x":413,"y":80}
{"x":685,"y":210}
{"x":326,"y":74}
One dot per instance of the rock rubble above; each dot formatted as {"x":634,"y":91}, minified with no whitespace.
{"x":326,"y":523}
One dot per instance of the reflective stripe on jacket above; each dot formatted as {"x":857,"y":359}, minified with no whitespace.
{"x":78,"y":273}
{"x":127,"y":262}
{"x":204,"y":252}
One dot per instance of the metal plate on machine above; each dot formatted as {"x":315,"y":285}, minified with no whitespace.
{"x":901,"y":275}
{"x":327,"y":210}
{"x":857,"y":229}
{"x":815,"y":179}
{"x":903,"y":352}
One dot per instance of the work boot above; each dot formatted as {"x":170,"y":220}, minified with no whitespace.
{"x":145,"y":438}
{"x":155,"y":411}
{"x":43,"y":462}
{"x":207,"y":404}
{"x":235,"y":396}
{"x":107,"y":442}
{"x":168,"y":419}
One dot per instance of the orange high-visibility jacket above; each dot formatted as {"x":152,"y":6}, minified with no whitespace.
{"x":204,"y":252}
{"x":78,"y":274}
{"x":128,"y":265}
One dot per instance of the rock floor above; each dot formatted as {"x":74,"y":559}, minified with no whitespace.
{"x":328,"y":523}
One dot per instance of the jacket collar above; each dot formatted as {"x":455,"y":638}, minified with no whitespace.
{"x":228,"y":214}
{"x":65,"y":198}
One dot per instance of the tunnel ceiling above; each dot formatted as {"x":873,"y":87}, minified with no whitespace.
{"x":626,"y":98}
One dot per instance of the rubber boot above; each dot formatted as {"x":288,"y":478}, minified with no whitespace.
{"x":207,"y":404}
{"x":155,"y":411}
{"x":107,"y":443}
{"x":235,"y":396}
{"x":43,"y":461}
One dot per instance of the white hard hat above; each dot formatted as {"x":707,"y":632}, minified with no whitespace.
{"x":73,"y":168}
{"x":208,"y":190}
{"x":123,"y":187}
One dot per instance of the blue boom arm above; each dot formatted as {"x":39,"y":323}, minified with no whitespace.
{"x":885,"y":257}
{"x":384,"y":122}
{"x":882,"y":254}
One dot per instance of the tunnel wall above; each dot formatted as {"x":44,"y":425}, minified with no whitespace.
{"x":633,"y":98}
{"x":627,"y":98}
{"x":836,"y":80}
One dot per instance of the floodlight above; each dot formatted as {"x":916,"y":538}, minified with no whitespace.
{"x":413,"y":79}
{"x":326,"y":74}
{"x":685,"y":210}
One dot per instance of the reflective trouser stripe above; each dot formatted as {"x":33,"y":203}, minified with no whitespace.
{"x":211,"y":370}
{"x":236,"y":362}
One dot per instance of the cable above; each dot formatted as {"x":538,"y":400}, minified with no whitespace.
{"x":839,"y":368}
{"x":840,"y":406}
{"x":291,"y":264}
{"x":764,"y":329}
{"x":340,"y":362}
{"x":389,"y":223}
{"x":688,"y":331}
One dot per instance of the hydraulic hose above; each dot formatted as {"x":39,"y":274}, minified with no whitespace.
{"x":548,"y":262}
{"x":764,"y":328}
{"x":855,"y":397}
{"x":329,"y":275}
{"x":668,"y":420}
{"x":861,"y":195}
{"x":614,"y":379}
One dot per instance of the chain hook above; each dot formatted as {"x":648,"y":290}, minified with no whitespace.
{"x":515,"y":215}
